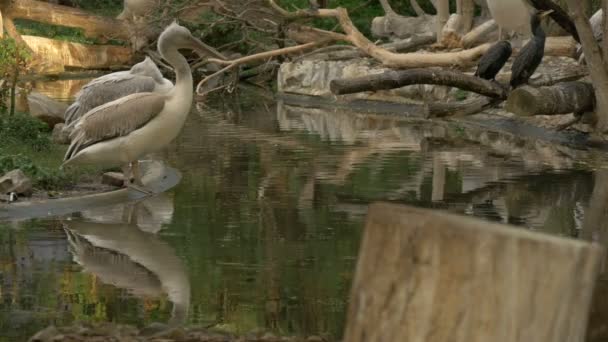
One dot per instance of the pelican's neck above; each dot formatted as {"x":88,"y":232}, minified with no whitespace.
{"x":183,"y":75}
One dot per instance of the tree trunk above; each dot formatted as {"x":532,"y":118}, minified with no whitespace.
{"x":1,"y":26}
{"x":398,"y":79}
{"x":430,"y":276}
{"x":93,"y":25}
{"x":563,"y":98}
{"x":595,"y":63}
{"x":443,"y":14}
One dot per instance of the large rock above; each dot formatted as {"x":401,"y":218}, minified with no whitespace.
{"x":312,"y":77}
{"x":16,"y":181}
{"x":61,"y":135}
{"x":46,"y":109}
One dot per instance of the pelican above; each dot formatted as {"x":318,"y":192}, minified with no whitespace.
{"x":512,"y":15}
{"x":124,"y":256}
{"x":120,"y":132}
{"x":142,"y":77}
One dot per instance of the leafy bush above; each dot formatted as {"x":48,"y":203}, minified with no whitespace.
{"x":25,"y":130}
{"x":14,"y":59}
{"x":44,"y":178}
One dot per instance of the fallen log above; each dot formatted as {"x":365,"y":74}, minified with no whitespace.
{"x":398,"y":79}
{"x":562,"y":98}
{"x":479,"y":34}
{"x":461,"y":108}
{"x":59,"y":55}
{"x":94,"y":26}
{"x":425,"y":275}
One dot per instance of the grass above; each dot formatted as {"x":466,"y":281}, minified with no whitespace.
{"x":25,"y":144}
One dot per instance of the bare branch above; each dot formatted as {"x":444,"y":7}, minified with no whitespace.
{"x":397,"y":79}
{"x":388,"y":58}
{"x":387,"y":8}
{"x":229,"y":65}
{"x":419,"y":11}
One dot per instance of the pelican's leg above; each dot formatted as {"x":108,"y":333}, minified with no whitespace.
{"x":137,"y":183}
{"x":126,"y":174}
{"x":137,"y":173}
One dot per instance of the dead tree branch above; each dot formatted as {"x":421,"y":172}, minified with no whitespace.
{"x":560,"y":16}
{"x":596,"y":63}
{"x":398,"y":79}
{"x":388,"y":58}
{"x":562,"y":98}
{"x":231,"y":64}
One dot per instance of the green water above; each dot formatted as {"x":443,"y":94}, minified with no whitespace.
{"x":263,"y":231}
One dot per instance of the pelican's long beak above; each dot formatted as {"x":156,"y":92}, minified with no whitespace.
{"x":545,"y":13}
{"x":205,"y":50}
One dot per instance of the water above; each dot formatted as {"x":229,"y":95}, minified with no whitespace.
{"x":263,"y":231}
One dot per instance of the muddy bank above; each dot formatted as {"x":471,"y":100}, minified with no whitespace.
{"x":157,"y":177}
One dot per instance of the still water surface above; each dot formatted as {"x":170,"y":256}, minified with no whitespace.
{"x":262,"y":232}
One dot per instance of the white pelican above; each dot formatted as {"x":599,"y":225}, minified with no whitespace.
{"x":120,"y":132}
{"x":511,"y":15}
{"x":124,"y":256}
{"x":142,"y":77}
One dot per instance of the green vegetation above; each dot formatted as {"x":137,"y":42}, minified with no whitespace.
{"x":25,"y":144}
{"x":33,"y":28}
{"x":14,"y":59}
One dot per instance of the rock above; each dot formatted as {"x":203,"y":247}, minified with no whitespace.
{"x":45,"y":335}
{"x":16,"y":181}
{"x":113,"y":179}
{"x":153,"y":329}
{"x":312,"y":77}
{"x":61,"y":134}
{"x":46,"y":109}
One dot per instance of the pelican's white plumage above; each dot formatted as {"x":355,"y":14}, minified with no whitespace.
{"x":122,"y":131}
{"x":142,"y":77}
{"x":511,"y":15}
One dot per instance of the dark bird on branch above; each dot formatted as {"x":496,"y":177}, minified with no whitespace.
{"x":531,"y":54}
{"x":493,"y":60}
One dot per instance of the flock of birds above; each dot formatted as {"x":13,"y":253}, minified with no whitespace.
{"x":118,"y":118}
{"x":525,"y":63}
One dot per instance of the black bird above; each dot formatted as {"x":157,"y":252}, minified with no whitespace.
{"x":493,"y":60}
{"x":531,"y":54}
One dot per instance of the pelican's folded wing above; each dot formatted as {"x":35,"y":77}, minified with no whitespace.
{"x":115,"y":119}
{"x":105,"y":89}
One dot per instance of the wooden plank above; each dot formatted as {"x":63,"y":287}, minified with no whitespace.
{"x":75,"y":55}
{"x":425,"y":276}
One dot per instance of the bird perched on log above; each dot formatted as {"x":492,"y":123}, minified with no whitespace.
{"x":120,"y":132}
{"x":142,"y":77}
{"x":493,"y":60}
{"x":531,"y":54}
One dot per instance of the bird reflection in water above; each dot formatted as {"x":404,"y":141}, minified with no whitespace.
{"x":129,"y":255}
